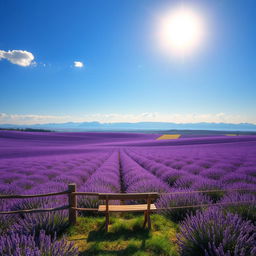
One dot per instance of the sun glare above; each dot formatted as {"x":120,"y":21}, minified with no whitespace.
{"x":181,"y":31}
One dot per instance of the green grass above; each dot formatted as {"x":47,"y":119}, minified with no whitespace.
{"x":126,"y":236}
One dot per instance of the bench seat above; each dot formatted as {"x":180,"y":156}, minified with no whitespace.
{"x":146,"y":208}
{"x":126,"y":208}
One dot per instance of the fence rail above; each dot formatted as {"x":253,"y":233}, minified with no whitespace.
{"x":31,"y":196}
{"x":37,"y":210}
{"x":203,"y":205}
{"x":207,"y":191}
{"x":73,"y":209}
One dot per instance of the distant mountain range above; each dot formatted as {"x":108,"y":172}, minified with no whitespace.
{"x":148,"y":126}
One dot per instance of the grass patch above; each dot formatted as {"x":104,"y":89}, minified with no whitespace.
{"x":126,"y":236}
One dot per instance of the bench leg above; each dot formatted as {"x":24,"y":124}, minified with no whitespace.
{"x":145,"y":219}
{"x":107,"y":222}
{"x":149,"y":221}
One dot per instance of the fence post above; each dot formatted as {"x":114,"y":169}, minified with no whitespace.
{"x":72,"y":203}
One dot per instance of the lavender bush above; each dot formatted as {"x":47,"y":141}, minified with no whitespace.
{"x":181,"y":200}
{"x":27,"y":245}
{"x":243,"y":204}
{"x":33,"y":223}
{"x":209,"y":185}
{"x":6,"y":221}
{"x":214,"y":233}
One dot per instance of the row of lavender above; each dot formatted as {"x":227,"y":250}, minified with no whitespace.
{"x":214,"y":231}
{"x":186,"y":171}
{"x":130,"y":171}
{"x":222,"y":231}
{"x":159,"y":171}
{"x":35,"y":234}
{"x":51,"y":174}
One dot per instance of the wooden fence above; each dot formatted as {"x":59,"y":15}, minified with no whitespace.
{"x":72,"y":201}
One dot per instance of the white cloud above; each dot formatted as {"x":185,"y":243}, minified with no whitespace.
{"x":132,"y":118}
{"x":174,"y":118}
{"x":78,"y":64}
{"x":18,"y":57}
{"x":31,"y":119}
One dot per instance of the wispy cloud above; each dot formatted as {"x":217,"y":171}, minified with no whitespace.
{"x":18,"y":57}
{"x":31,"y":119}
{"x":172,"y":117}
{"x":112,"y":118}
{"x":78,"y":64}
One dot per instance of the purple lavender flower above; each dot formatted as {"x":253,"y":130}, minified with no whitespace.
{"x":243,"y":204}
{"x":24,"y":184}
{"x":193,"y":169}
{"x":6,"y":189}
{"x":181,"y":200}
{"x":242,"y":187}
{"x":51,"y":222}
{"x":9,"y":178}
{"x":172,"y":176}
{"x":143,"y":186}
{"x":203,"y":184}
{"x":37,"y":178}
{"x":20,"y":244}
{"x":238,"y":177}
{"x":6,"y":221}
{"x":138,"y":179}
{"x":185,"y":181}
{"x":225,"y":167}
{"x":214,"y":233}
{"x":251,"y":171}
{"x":213,"y":173}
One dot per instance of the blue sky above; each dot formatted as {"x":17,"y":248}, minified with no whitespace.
{"x":125,"y":77}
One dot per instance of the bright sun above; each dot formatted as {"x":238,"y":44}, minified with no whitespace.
{"x":181,"y":31}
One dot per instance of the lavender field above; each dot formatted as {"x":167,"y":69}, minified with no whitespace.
{"x":34,"y":163}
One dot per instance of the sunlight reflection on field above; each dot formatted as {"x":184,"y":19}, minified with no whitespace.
{"x":169,"y":137}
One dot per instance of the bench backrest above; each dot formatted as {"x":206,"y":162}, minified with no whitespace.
{"x":128,"y":196}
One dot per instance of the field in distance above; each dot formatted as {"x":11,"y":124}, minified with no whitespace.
{"x":43,"y":162}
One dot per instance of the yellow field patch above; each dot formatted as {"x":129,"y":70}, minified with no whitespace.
{"x":168,"y":137}
{"x":231,"y":134}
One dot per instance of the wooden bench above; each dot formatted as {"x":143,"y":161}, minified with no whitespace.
{"x":146,"y":208}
